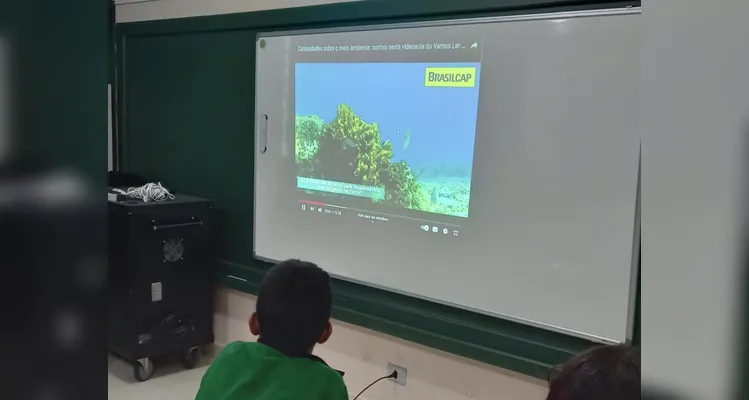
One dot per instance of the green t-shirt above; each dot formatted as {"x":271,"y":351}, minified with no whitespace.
{"x":254,"y":371}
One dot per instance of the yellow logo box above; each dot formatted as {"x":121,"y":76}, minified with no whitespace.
{"x":450,"y":76}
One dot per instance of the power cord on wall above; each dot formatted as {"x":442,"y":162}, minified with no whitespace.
{"x":394,"y":375}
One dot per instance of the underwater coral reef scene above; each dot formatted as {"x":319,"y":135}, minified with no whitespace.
{"x":379,"y":133}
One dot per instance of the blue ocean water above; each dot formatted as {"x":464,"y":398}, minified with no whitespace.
{"x":441,"y":121}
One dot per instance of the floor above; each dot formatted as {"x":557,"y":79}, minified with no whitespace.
{"x":171,"y":381}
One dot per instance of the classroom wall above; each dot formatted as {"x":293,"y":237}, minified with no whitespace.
{"x":128,"y":11}
{"x":695,"y":157}
{"x":363,"y":355}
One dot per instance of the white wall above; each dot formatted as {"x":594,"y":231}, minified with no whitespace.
{"x":130,"y":11}
{"x":695,"y":124}
{"x":363,"y":355}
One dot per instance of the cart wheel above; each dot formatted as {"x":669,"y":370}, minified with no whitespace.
{"x":190,"y":358}
{"x":143,"y":370}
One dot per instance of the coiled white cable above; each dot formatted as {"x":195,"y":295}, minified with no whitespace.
{"x":148,"y":192}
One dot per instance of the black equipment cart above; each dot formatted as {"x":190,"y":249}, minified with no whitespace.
{"x":160,"y":280}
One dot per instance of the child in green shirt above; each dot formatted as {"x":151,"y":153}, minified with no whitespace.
{"x":292,"y":315}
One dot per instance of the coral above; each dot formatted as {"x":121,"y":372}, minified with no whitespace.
{"x":403,"y":187}
{"x":348,"y":149}
{"x":307,"y":131}
{"x":452,"y":196}
{"x":373,"y":156}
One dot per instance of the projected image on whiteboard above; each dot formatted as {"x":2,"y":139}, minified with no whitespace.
{"x":399,"y":135}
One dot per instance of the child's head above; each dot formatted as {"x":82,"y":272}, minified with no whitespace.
{"x":604,"y":372}
{"x":293,"y":308}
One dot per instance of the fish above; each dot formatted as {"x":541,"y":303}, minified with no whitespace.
{"x":406,"y":140}
{"x":348,"y":143}
{"x":437,"y":200}
{"x":421,"y":172}
{"x":447,"y":202}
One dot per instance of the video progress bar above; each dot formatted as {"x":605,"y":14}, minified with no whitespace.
{"x":314,"y":203}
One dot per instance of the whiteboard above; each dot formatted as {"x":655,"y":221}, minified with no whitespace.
{"x":544,"y":233}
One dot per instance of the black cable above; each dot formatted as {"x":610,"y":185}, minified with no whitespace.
{"x":394,"y":375}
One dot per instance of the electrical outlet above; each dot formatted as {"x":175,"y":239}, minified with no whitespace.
{"x":402,"y":373}
{"x":156,"y":294}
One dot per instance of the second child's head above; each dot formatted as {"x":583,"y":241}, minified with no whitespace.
{"x":603,"y":372}
{"x":293,"y":308}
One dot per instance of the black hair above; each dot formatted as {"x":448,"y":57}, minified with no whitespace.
{"x":293,"y":306}
{"x":603,"y":372}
